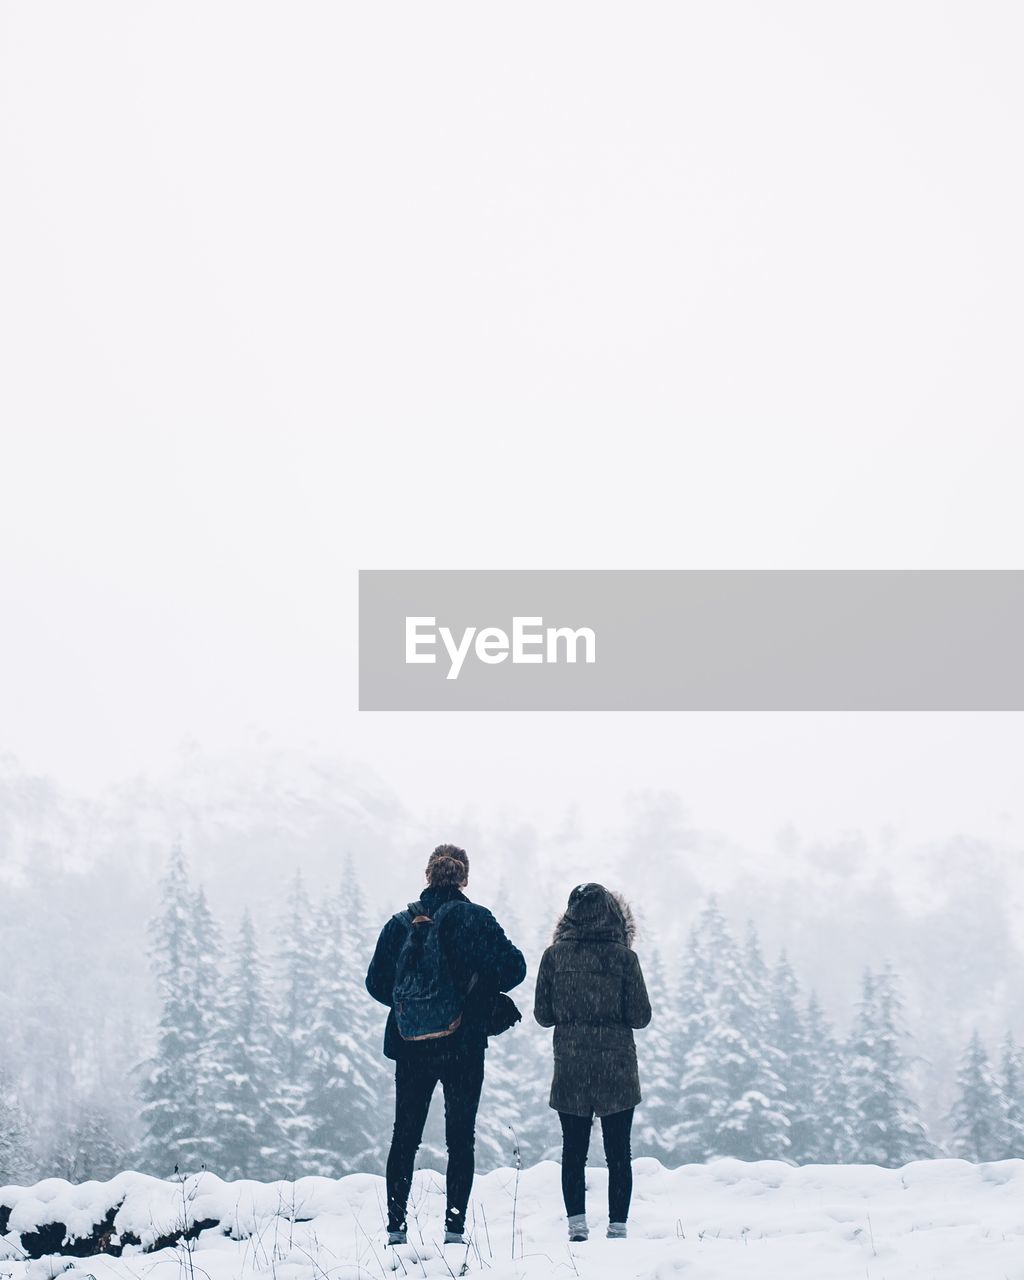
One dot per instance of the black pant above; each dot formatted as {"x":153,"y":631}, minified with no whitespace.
{"x":615,"y":1131}
{"x":461,"y":1077}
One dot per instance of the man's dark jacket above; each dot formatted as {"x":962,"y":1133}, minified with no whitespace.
{"x":474,"y":943}
{"x":590,"y":988}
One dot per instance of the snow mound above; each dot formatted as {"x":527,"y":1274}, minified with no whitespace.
{"x":723,"y":1221}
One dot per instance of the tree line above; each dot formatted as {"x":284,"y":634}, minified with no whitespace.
{"x":266,"y":1059}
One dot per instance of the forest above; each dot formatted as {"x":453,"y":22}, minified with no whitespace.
{"x":264,"y":1058}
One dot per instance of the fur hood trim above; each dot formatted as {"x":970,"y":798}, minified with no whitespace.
{"x":597,"y":913}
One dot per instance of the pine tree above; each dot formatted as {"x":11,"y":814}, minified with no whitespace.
{"x":16,"y":1163}
{"x":731,"y":1094}
{"x":658,"y":1052}
{"x":296,"y":984}
{"x":890,"y":1133}
{"x":789,"y":1034}
{"x":830,"y":1137}
{"x":752,"y":1120}
{"x":977,"y":1115}
{"x":1011,"y":1089}
{"x":93,"y":1151}
{"x":171,"y":1079}
{"x":367,"y":1070}
{"x":358,"y":933}
{"x":694,"y":1137}
{"x":514,"y":1111}
{"x":202,"y":1151}
{"x":344,"y":1078}
{"x":241,"y":1120}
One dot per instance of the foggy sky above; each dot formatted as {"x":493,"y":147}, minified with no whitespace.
{"x":290,"y":293}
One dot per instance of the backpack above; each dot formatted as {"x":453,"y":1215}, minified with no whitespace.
{"x":427,"y":1001}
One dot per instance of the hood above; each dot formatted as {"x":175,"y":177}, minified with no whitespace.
{"x":594,"y":912}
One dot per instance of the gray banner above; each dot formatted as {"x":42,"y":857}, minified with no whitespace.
{"x":689,"y":640}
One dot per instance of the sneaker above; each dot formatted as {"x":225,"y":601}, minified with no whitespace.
{"x":397,"y":1237}
{"x":616,"y":1231}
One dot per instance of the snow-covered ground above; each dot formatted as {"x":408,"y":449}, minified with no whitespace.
{"x":936,"y":1220}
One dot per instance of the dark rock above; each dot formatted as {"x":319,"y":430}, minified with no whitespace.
{"x":102,"y":1237}
{"x":175,"y":1237}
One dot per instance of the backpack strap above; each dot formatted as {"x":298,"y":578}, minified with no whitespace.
{"x":406,"y":917}
{"x":416,"y":910}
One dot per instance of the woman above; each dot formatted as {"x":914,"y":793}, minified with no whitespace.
{"x":591,"y":990}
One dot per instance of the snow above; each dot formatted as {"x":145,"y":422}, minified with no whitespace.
{"x":724,"y":1221}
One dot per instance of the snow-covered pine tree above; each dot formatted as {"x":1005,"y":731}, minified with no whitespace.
{"x":514,"y":1107}
{"x":359,"y":937}
{"x":658,"y":1054}
{"x":297,"y":967}
{"x":890,"y":1132}
{"x":730,"y":1088}
{"x":326,"y":1101}
{"x":241,"y":1118}
{"x":789,"y":1034}
{"x":93,"y":1151}
{"x":171,"y":1078}
{"x":344,"y":1080}
{"x":831,"y":1136}
{"x":1011,"y":1089}
{"x":359,"y":933}
{"x":201,"y":1151}
{"x":693,"y":1137}
{"x":370,"y":1072}
{"x":976,"y":1118}
{"x":752,"y":1122}
{"x":16,"y":1163}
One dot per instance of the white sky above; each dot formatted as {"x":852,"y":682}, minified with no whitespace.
{"x":292,"y":290}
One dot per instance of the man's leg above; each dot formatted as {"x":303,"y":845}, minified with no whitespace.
{"x":414,"y":1085}
{"x":575,"y":1145}
{"x":462,"y":1079}
{"x":615,"y":1130}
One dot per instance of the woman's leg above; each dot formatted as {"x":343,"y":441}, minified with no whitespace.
{"x":615,"y":1131}
{"x":575,"y":1144}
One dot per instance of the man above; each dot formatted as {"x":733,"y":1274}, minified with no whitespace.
{"x":439,"y":967}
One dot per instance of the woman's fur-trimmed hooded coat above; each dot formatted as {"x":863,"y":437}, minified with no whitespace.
{"x":590,"y":988}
